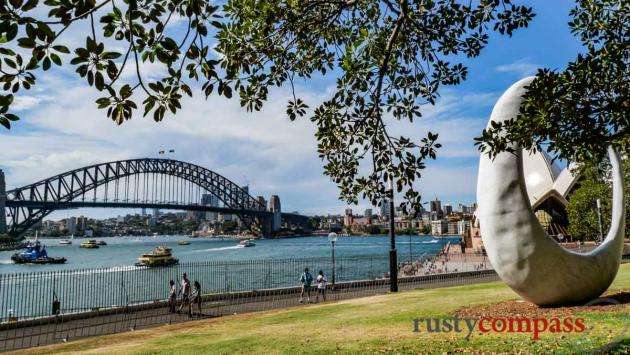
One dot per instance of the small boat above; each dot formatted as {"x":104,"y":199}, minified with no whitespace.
{"x":246,"y":244}
{"x":183,"y":242}
{"x":101,"y":243}
{"x":89,"y":244}
{"x":65,"y":242}
{"x":36,"y":254}
{"x":160,"y":256}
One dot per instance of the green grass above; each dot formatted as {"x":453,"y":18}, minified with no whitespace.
{"x":366,"y":325}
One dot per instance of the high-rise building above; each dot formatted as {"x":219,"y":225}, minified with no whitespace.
{"x":71,"y":225}
{"x":436,"y":205}
{"x":156,"y":213}
{"x":213,"y":201}
{"x":368,"y":213}
{"x":144,"y":211}
{"x":385,"y":208}
{"x":448,"y":209}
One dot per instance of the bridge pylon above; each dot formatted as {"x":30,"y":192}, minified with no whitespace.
{"x":3,"y":203}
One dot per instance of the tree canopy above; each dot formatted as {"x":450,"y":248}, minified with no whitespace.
{"x":594,"y":184}
{"x":576,"y":113}
{"x":388,"y":57}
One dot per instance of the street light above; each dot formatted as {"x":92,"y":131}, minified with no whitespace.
{"x":599,"y":218}
{"x":332,"y":238}
{"x":393,"y":263}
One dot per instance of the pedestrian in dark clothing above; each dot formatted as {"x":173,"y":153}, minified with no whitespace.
{"x":196,"y":296}
{"x":306,"y":279}
{"x":172,"y":296}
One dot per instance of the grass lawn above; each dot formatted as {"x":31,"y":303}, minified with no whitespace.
{"x":367,"y":325}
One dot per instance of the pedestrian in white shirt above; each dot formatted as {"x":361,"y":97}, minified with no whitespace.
{"x":322,"y":283}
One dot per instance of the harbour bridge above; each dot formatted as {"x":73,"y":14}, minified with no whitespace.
{"x":136,"y":183}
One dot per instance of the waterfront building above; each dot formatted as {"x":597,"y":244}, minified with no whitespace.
{"x":348,"y":218}
{"x":439,"y":227}
{"x":463,"y":226}
{"x":156,"y":213}
{"x":472,"y":236}
{"x":368,"y":213}
{"x":452,"y":227}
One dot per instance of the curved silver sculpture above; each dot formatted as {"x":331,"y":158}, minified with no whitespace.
{"x":518,"y":247}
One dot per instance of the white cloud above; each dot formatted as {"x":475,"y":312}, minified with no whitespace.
{"x":26,"y":102}
{"x":520,"y":67}
{"x":264,"y":149}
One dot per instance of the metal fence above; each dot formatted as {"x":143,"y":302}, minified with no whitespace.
{"x":47,"y":307}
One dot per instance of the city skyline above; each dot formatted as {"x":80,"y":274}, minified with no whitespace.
{"x":62,"y":129}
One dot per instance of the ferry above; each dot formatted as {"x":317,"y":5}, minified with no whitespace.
{"x":35,"y":254}
{"x":160,"y":256}
{"x":183,"y":242}
{"x":246,"y":244}
{"x":89,"y":244}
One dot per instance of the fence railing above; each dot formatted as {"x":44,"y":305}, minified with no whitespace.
{"x":46,"y":307}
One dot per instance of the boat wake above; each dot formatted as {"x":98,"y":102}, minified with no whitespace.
{"x":217,"y":249}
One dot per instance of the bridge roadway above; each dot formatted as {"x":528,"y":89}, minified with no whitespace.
{"x":44,"y":331}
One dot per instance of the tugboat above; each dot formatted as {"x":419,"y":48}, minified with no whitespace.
{"x":89,"y":244}
{"x":183,"y":242}
{"x":246,"y":244}
{"x":35,"y":254}
{"x":160,"y":256}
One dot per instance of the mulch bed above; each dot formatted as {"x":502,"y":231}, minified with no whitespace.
{"x":520,"y":308}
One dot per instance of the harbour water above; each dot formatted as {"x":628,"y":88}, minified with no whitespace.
{"x":106,"y":277}
{"x":124,"y":251}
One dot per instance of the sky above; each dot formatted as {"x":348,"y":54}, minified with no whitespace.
{"x":61,"y":129}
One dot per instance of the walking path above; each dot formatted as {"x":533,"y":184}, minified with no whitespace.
{"x":51,"y":330}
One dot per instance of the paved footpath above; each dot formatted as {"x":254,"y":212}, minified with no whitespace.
{"x":49,"y":331}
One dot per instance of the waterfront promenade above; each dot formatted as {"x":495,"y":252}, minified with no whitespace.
{"x":54,"y":329}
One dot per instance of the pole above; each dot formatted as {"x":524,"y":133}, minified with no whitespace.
{"x":333,"y":262}
{"x":393,"y":262}
{"x":599,"y":218}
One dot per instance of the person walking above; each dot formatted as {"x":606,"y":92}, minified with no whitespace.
{"x":185,"y":295}
{"x":196,"y":296}
{"x":172,"y":296}
{"x":306,"y":279}
{"x":322,"y":282}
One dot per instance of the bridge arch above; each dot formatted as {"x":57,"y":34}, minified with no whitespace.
{"x":29,"y":204}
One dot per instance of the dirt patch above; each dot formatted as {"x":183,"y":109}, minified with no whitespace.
{"x":520,"y":308}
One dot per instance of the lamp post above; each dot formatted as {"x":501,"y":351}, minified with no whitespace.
{"x":393,"y":262}
{"x":599,"y":218}
{"x":332,"y":238}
